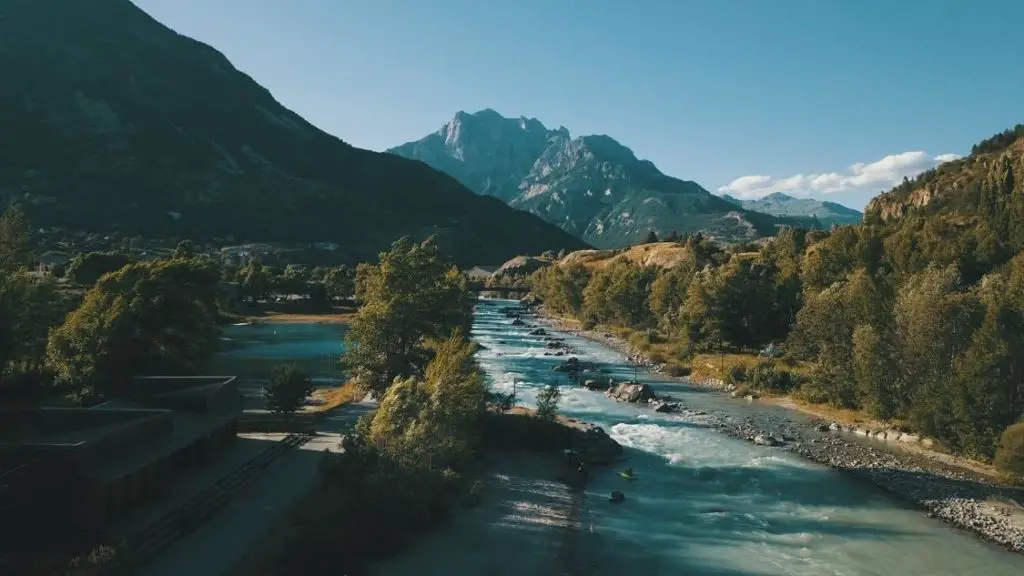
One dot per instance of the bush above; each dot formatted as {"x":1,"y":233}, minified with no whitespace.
{"x":588,"y":324}
{"x":287,"y":389}
{"x":766,"y":375}
{"x":678,"y":371}
{"x":652,"y":336}
{"x":547,"y":402}
{"x":658,"y":358}
{"x":735,"y":375}
{"x":1009,"y":457}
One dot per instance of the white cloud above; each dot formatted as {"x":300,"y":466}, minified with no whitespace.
{"x":870,"y":178}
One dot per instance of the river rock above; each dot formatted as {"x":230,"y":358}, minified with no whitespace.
{"x":834,"y":427}
{"x":598,"y":385}
{"x":666,"y":407}
{"x":765,"y":440}
{"x":910,"y":438}
{"x":570,"y":365}
{"x":632,"y":392}
{"x":518,"y":322}
{"x":538,"y":332}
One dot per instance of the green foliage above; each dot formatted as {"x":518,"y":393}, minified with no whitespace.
{"x":617,"y":294}
{"x":561,"y":287}
{"x":147,"y":318}
{"x":433,"y":421}
{"x":339,"y":282}
{"x":1010,"y":454}
{"x":186,"y":249}
{"x":766,"y":375}
{"x":14,"y":236}
{"x":547,"y":402}
{"x":287,"y":389}
{"x":998,"y":142}
{"x":87,"y":269}
{"x":652,"y":237}
{"x":410,"y":296}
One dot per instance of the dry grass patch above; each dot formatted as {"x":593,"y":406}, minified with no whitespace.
{"x":331,"y":398}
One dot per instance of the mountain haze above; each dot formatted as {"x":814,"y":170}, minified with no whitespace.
{"x":779,"y":204}
{"x":113,"y":122}
{"x":591,"y":186}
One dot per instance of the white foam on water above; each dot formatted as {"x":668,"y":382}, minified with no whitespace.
{"x":705,"y":503}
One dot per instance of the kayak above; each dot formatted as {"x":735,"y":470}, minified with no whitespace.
{"x":626,"y":476}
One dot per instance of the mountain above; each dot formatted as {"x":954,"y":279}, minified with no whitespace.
{"x":968,"y":212}
{"x":591,"y":186}
{"x":779,"y":204}
{"x":115,"y":123}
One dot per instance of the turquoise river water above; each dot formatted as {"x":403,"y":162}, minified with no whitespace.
{"x":703,"y":503}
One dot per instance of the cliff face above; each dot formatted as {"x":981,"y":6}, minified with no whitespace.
{"x":115,"y":123}
{"x":980,"y":183}
{"x":591,"y":186}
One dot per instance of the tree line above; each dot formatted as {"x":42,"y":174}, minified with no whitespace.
{"x":918,"y":322}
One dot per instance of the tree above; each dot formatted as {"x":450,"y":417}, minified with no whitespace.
{"x":338,"y":282}
{"x":651,"y":238}
{"x":14,"y":237}
{"x":561,"y":287}
{"x":410,"y":296}
{"x":547,"y":402}
{"x":1010,"y":454}
{"x":151,"y":317}
{"x":255,"y":280}
{"x":287,"y":389}
{"x":87,"y":269}
{"x":876,"y":372}
{"x":433,"y":420}
{"x":185,"y":249}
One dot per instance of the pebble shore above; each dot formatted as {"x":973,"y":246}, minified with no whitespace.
{"x":957,"y":495}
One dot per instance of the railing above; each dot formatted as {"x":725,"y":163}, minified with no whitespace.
{"x":143,"y":546}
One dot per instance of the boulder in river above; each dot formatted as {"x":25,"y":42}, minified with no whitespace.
{"x":666,"y":407}
{"x":570,"y":365}
{"x":617,"y":497}
{"x":598,"y":385}
{"x":632,"y":392}
{"x":518,"y":322}
{"x":538,"y":332}
{"x":765,"y":440}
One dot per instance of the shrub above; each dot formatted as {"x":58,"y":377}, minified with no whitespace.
{"x":1009,"y":457}
{"x":658,"y":358}
{"x":547,"y":402}
{"x":588,"y":324}
{"x":652,"y":336}
{"x":735,"y":375}
{"x":287,"y":389}
{"x":766,"y":375}
{"x":678,"y":370}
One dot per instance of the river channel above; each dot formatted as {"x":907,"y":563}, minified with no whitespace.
{"x":703,"y":503}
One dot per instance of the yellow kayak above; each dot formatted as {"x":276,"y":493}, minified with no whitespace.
{"x":626,"y":476}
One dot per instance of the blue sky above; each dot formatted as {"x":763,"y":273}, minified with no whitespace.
{"x":837,"y":99}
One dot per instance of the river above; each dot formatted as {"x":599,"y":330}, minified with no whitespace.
{"x":706,"y":503}
{"x":703,"y":503}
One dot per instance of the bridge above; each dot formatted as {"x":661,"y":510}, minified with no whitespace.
{"x":481,"y":287}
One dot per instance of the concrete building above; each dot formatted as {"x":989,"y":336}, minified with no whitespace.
{"x":80,"y":469}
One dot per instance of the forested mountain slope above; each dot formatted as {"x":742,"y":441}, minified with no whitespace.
{"x":113,"y":122}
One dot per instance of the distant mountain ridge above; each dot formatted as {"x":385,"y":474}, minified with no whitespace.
{"x":779,"y":204}
{"x":115,"y":123}
{"x":591,"y":186}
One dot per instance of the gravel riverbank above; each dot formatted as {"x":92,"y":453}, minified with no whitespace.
{"x":956,"y":494}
